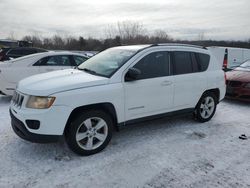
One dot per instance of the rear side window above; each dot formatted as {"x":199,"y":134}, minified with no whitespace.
{"x":154,"y":65}
{"x":203,"y":61}
{"x":182,"y":62}
{"x":59,"y":60}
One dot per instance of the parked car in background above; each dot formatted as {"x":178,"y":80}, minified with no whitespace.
{"x":3,"y":52}
{"x":116,"y":87}
{"x":12,"y":71}
{"x":230,"y":57}
{"x":238,"y":82}
{"x":13,"y":53}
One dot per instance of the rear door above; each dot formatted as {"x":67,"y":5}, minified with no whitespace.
{"x":189,"y":80}
{"x":20,"y":69}
{"x":57,"y":62}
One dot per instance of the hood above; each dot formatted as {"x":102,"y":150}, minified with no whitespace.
{"x":238,"y":75}
{"x":59,"y":81}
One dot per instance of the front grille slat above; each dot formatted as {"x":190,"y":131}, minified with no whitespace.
{"x":17,"y":100}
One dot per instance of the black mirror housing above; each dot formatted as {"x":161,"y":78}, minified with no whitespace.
{"x":132,"y":74}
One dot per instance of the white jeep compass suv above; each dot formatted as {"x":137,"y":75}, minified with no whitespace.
{"x":117,"y":87}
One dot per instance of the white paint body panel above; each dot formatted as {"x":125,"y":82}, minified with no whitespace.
{"x":131,"y":100}
{"x":11,"y":72}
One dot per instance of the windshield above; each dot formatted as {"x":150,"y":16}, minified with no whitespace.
{"x":107,"y":62}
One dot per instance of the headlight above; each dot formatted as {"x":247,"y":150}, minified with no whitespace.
{"x":40,"y":102}
{"x":247,"y":85}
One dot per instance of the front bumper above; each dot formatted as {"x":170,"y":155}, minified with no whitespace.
{"x":20,"y":129}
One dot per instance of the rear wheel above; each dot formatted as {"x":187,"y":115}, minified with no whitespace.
{"x":206,"y":107}
{"x":90,"y":132}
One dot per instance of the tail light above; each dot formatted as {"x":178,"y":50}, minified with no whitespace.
{"x":225,"y":61}
{"x":225,"y":77}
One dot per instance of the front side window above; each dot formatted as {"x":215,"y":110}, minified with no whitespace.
{"x":59,"y":60}
{"x":107,"y":62}
{"x":153,"y":65}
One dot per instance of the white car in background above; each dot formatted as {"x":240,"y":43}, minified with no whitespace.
{"x":11,"y":72}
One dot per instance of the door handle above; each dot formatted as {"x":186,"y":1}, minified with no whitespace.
{"x":49,"y":69}
{"x":166,"y":83}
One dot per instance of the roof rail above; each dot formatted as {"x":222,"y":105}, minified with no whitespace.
{"x":179,"y":44}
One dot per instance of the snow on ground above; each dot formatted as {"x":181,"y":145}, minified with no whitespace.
{"x":177,"y":152}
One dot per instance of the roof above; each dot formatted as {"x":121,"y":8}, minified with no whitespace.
{"x":44,"y":54}
{"x":141,"y":47}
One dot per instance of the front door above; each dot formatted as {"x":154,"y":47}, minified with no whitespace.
{"x":152,"y":92}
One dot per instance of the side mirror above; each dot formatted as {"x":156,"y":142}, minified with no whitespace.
{"x":132,"y":74}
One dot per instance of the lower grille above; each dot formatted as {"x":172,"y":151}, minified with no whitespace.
{"x":234,"y":83}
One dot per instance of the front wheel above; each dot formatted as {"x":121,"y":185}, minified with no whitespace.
{"x":90,"y":132}
{"x":206,"y":107}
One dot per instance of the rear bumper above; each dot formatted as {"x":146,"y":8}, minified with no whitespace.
{"x":239,"y":93}
{"x":20,"y":129}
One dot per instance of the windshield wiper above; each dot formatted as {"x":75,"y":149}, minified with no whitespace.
{"x":87,"y":70}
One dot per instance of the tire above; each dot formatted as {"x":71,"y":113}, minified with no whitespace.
{"x":206,"y":107}
{"x":90,"y":133}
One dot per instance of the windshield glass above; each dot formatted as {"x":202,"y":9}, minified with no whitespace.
{"x":107,"y":62}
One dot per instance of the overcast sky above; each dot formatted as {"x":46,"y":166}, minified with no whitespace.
{"x":183,"y":19}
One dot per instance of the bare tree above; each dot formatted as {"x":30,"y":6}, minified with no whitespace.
{"x":110,"y":31}
{"x":201,"y":36}
{"x":12,"y":36}
{"x":58,"y":42}
{"x":129,"y":30}
{"x":160,"y":36}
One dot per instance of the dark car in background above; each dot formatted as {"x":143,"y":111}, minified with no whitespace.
{"x":3,"y":52}
{"x":238,"y":82}
{"x":12,"y":53}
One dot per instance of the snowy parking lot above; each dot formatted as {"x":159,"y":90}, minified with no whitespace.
{"x":176,"y":152}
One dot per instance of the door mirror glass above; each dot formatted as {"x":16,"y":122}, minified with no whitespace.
{"x":132,"y":74}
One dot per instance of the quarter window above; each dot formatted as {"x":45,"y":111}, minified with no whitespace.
{"x":203,"y":61}
{"x":154,"y":65}
{"x":79,"y":60}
